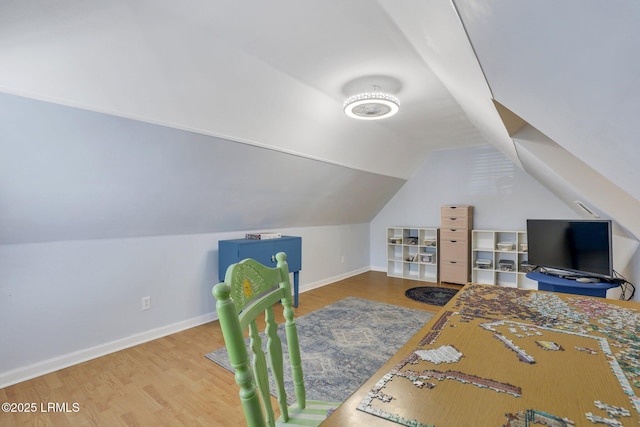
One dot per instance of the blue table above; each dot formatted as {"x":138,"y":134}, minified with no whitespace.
{"x":548,"y":282}
{"x":263,"y":251}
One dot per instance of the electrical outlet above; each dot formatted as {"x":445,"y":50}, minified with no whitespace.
{"x":146,"y":303}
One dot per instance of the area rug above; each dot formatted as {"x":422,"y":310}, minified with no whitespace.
{"x":431,"y":294}
{"x":344,"y":343}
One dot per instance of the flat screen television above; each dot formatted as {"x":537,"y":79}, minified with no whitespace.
{"x":582,"y":248}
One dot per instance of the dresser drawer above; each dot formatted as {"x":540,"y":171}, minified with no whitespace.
{"x":456,"y":234}
{"x":454,"y":222}
{"x":454,"y":272}
{"x":455,"y":212}
{"x":456,"y":250}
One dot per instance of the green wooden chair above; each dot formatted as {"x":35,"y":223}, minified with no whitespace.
{"x":250,"y":289}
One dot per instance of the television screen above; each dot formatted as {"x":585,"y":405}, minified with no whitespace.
{"x":577,"y":246}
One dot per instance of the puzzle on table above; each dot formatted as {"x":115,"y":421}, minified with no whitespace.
{"x":547,"y":332}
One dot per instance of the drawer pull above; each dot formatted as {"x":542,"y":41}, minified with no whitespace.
{"x":453,"y":241}
{"x":453,"y":262}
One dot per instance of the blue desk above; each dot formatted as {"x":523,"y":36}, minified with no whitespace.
{"x":263,"y":251}
{"x":548,"y":282}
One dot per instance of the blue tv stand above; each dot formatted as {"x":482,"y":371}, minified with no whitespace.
{"x":549,"y":282}
{"x":263,"y":251}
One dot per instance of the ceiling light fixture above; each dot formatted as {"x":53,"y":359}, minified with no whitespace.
{"x":371,"y":105}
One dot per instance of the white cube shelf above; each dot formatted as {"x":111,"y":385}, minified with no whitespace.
{"x":500,"y":258}
{"x":412,"y":253}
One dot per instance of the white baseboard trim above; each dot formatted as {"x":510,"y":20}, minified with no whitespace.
{"x":51,"y":365}
{"x":375,"y":268}
{"x":329,"y":280}
{"x":54,"y":364}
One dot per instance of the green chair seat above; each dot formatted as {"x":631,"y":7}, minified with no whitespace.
{"x":312,"y":414}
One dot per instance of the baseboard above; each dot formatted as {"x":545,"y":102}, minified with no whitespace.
{"x":51,"y":365}
{"x":333,"y":279}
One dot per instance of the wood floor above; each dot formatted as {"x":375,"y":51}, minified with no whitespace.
{"x":168,"y":381}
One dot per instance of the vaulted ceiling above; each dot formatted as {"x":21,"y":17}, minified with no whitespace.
{"x":274,"y":75}
{"x":268,"y":73}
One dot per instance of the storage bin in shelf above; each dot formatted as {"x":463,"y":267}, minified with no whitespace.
{"x":505,"y":261}
{"x":394,"y":235}
{"x":428,"y":257}
{"x":429,"y":237}
{"x":411,"y":236}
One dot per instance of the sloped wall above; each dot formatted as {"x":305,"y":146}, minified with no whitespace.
{"x":577,"y":184}
{"x":569,"y":71}
{"x":69,"y":174}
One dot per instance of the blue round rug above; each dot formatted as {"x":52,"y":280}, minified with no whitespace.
{"x":431,"y":294}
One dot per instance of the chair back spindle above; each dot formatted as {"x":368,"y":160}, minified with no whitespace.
{"x":249,"y":291}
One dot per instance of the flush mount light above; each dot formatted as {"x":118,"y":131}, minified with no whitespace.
{"x":371,"y":105}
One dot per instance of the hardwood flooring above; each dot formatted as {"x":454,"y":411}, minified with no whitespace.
{"x":168,"y":381}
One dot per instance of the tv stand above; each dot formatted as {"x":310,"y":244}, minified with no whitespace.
{"x":566,"y":285}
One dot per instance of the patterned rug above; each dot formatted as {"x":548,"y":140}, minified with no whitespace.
{"x":344,"y":343}
{"x":431,"y":294}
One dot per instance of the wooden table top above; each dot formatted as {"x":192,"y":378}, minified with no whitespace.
{"x":493,"y":356}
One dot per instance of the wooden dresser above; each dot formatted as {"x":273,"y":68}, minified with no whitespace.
{"x":456,"y":223}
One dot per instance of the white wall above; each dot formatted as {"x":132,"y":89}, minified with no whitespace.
{"x":65,"y":302}
{"x":502,"y":194}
